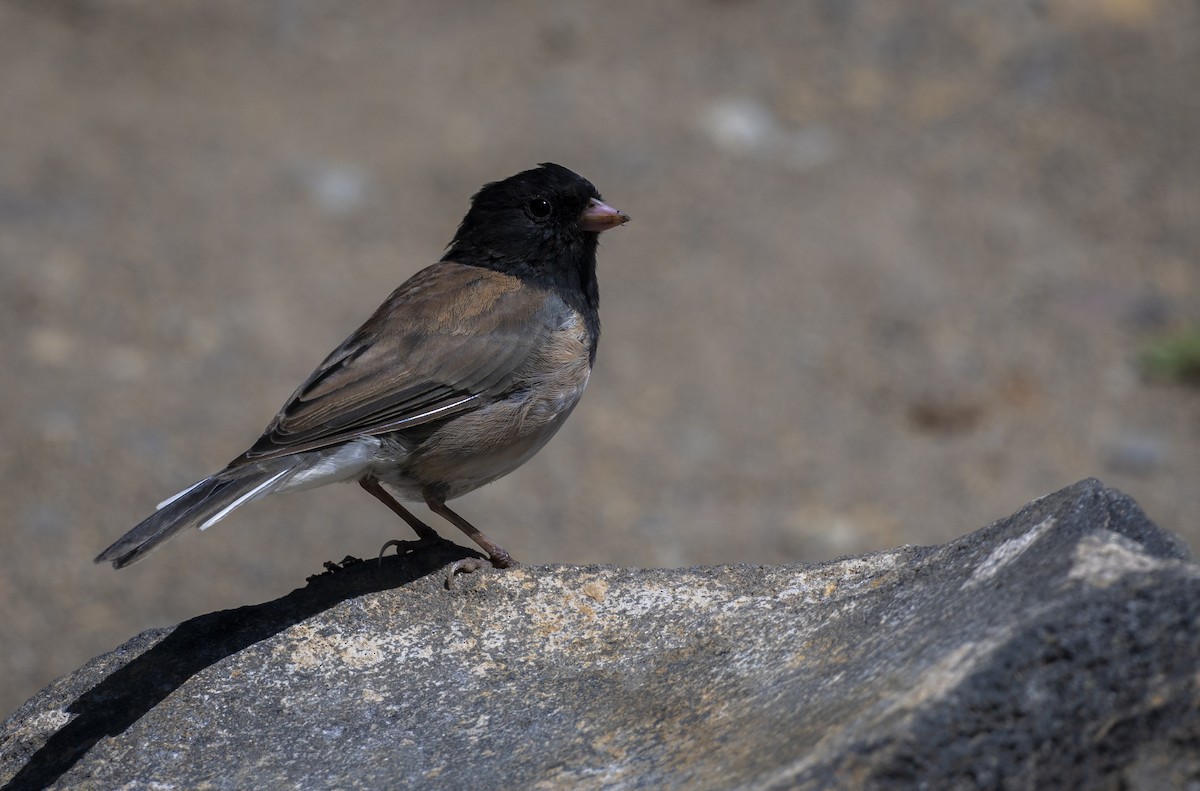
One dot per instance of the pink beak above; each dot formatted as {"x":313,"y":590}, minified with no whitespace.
{"x":599,"y":216}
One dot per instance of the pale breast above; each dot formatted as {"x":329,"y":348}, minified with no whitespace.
{"x":560,"y":373}
{"x":476,"y":448}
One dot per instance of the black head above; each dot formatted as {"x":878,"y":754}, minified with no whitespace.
{"x":542,"y":226}
{"x":537,"y":223}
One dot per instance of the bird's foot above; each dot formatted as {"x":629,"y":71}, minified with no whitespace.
{"x":413,"y":545}
{"x":471,"y":565}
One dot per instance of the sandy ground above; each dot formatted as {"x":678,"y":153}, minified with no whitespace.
{"x":889,"y":274}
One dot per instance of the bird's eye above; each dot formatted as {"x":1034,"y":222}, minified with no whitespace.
{"x":539,"y":208}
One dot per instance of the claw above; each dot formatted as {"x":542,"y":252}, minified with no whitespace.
{"x":401,"y":547}
{"x":471,"y":565}
{"x":464,"y":566}
{"x":412,"y":545}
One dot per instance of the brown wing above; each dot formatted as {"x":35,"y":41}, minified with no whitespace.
{"x":447,"y":341}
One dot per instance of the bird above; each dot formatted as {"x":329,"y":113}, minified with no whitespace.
{"x":463,"y":373}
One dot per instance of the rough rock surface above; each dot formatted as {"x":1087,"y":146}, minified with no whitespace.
{"x":1053,"y":649}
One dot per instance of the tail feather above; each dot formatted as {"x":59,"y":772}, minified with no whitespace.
{"x":200,"y":505}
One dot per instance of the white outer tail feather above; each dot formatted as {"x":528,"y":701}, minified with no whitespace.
{"x":257,"y":491}
{"x":177,"y":495}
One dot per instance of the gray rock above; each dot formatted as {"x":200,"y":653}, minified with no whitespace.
{"x":1054,"y":649}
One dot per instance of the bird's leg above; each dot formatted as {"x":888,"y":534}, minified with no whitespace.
{"x":424,"y":532}
{"x":497,"y":554}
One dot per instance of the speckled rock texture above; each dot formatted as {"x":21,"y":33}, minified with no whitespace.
{"x":1053,"y":649}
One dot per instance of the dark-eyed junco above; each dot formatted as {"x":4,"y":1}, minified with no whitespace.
{"x":462,"y":374}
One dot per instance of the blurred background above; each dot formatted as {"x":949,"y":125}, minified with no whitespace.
{"x":892,"y":272}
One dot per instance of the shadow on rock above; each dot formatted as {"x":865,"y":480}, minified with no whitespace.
{"x":126,"y":695}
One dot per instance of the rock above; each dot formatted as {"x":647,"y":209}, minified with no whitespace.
{"x":1056,"y":648}
{"x":746,"y":127}
{"x":337,"y":188}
